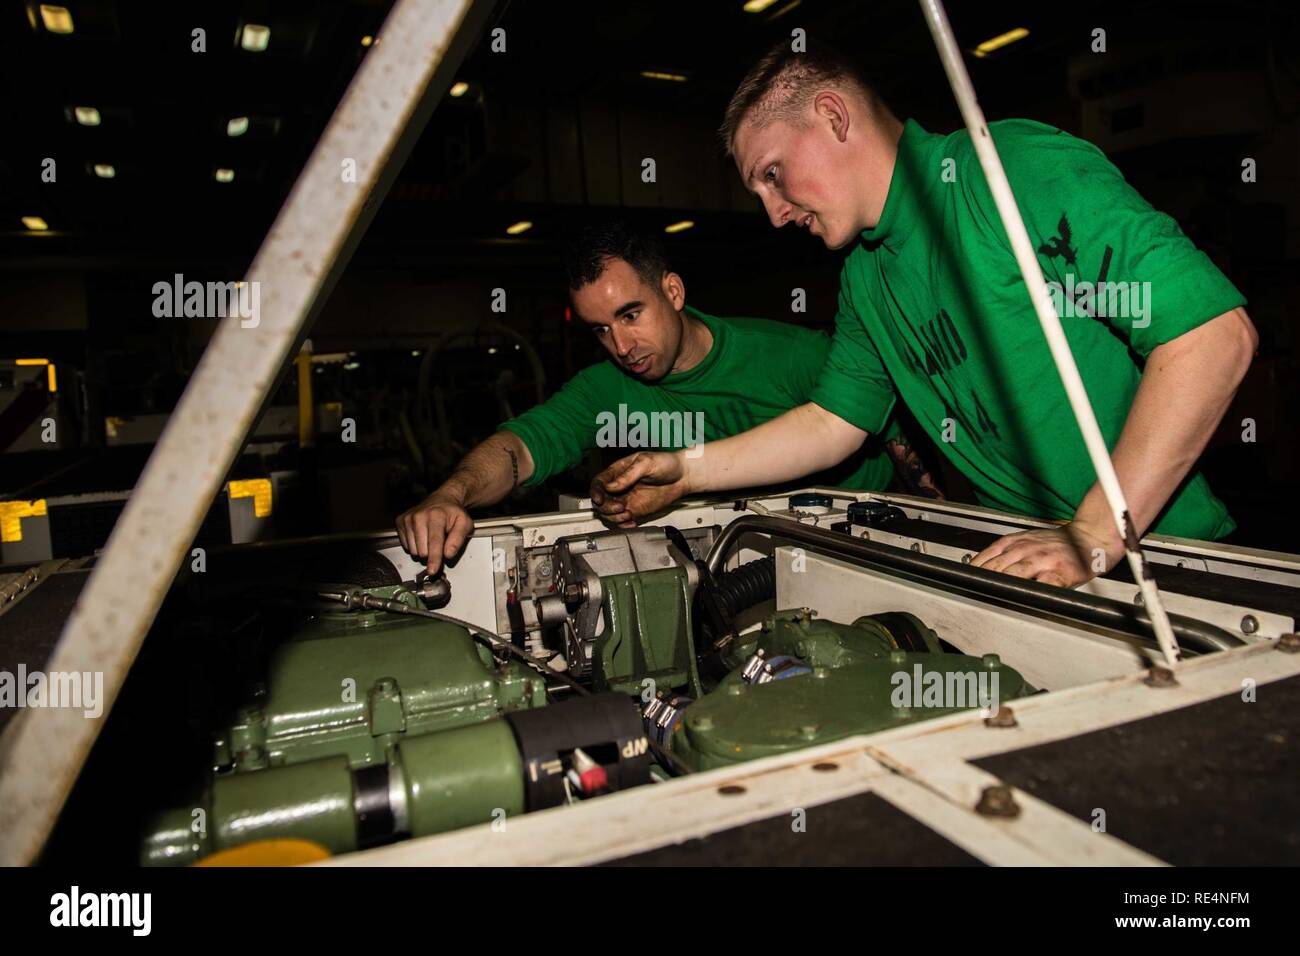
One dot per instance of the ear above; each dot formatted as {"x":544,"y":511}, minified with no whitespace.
{"x":674,"y":289}
{"x":831,"y":108}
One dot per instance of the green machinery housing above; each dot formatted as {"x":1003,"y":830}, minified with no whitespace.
{"x":374,"y":725}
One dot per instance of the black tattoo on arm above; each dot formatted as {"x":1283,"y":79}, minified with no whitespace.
{"x":514,"y":468}
{"x":911,"y":469}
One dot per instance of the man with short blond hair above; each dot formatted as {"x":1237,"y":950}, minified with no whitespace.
{"x":933,"y":308}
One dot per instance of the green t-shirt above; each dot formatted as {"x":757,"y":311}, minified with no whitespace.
{"x":933,"y":309}
{"x":755,"y":370}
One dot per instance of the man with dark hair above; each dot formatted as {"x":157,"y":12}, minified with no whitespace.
{"x":933,"y":309}
{"x":677,"y":378}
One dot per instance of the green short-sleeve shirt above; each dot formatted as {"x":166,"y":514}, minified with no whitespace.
{"x":755,"y":370}
{"x":933,"y":308}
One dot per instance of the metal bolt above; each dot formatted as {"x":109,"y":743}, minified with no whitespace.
{"x":916,"y":546}
{"x":1002,"y":717}
{"x":965,"y":558}
{"x":1160,"y":677}
{"x":1137,"y":598}
{"x":1249,"y":624}
{"x":991,"y":662}
{"x":998,"y":801}
{"x":806,"y":613}
{"x":1289,"y":644}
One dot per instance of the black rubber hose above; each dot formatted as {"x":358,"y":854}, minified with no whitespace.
{"x":1192,"y":634}
{"x":748,"y":585}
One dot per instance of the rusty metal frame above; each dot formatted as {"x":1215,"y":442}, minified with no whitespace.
{"x":346,"y":177}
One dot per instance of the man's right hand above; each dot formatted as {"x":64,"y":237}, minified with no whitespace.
{"x":637,"y":486}
{"x":434,"y":530}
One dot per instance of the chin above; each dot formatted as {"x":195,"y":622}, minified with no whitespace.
{"x":835,"y":241}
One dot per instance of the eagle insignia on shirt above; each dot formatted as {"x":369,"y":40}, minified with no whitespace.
{"x":1060,"y":245}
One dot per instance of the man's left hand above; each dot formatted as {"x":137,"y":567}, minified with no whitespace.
{"x":1066,"y":556}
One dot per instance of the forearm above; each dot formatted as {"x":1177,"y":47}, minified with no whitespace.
{"x":804,"y":440}
{"x":489,"y":472}
{"x":1185,"y":391}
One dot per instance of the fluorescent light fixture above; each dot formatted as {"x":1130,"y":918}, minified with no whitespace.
{"x":459,"y":89}
{"x":87,"y":115}
{"x":680,"y":226}
{"x":521,"y":226}
{"x":757,"y":6}
{"x":998,"y":42}
{"x":104,"y":171}
{"x":35,"y":223}
{"x":255,"y":37}
{"x":660,"y":75}
{"x":56,"y":19}
{"x":237,"y":126}
{"x":224,"y":175}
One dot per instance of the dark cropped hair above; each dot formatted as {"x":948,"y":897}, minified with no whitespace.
{"x":591,"y":252}
{"x":781,"y":84}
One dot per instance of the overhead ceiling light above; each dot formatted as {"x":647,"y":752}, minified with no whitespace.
{"x":35,"y":223}
{"x":367,"y":40}
{"x":237,"y":126}
{"x":680,"y":226}
{"x":104,"y":171}
{"x":521,"y":226}
{"x":659,"y":75}
{"x":87,"y":115}
{"x":998,"y":42}
{"x":757,"y":6}
{"x":492,"y":350}
{"x":224,"y":175}
{"x":56,"y":19}
{"x":459,"y":89}
{"x":255,"y":37}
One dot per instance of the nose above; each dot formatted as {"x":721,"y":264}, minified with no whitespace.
{"x":778,"y":210}
{"x":623,"y":345}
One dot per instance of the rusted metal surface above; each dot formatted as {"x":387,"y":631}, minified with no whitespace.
{"x":383,"y":110}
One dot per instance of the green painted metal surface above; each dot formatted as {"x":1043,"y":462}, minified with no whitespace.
{"x":357,"y":683}
{"x":857,"y":680}
{"x":459,"y":778}
{"x":647,"y":633}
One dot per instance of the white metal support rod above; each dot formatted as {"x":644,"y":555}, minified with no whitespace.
{"x":964,"y":91}
{"x":371,"y":131}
